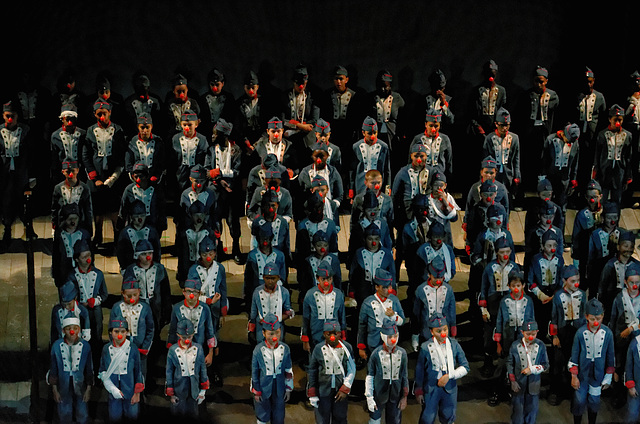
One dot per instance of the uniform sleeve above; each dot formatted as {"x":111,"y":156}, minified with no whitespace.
{"x":421,"y":367}
{"x":630,"y":365}
{"x":313,"y":371}
{"x":169,"y":370}
{"x":172,"y":337}
{"x":150,"y":329}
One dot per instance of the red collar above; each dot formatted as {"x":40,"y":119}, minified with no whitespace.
{"x":83,"y":272}
{"x":378,"y":296}
{"x":192,"y":307}
{"x":521,"y":295}
{"x":327,"y":292}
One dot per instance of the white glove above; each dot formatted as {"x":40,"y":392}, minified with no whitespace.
{"x":201,"y":396}
{"x":371,"y":404}
{"x":314,"y":401}
{"x":415,"y":342}
{"x":109,"y":182}
{"x":485,"y":313}
{"x":110,"y":387}
{"x":606,"y":381}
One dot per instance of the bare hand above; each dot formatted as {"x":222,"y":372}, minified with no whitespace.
{"x":403,"y":403}
{"x":389,"y":312}
{"x":575,"y":383}
{"x":135,"y":398}
{"x":499,"y":349}
{"x":625,"y":333}
{"x":362,"y":353}
{"x":209,"y":358}
{"x":633,"y":392}
{"x":174,"y":399}
{"x":56,"y":396}
{"x":257,"y":398}
{"x":306,"y":346}
{"x":87,"y":395}
{"x":556,"y":341}
{"x":526,"y":371}
{"x":216,"y":298}
{"x":287,"y":396}
{"x":340,"y":396}
{"x":98,"y":183}
{"x":442,"y":381}
{"x":420,"y":399}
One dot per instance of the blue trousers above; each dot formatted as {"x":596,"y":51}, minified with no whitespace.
{"x":66,"y":407}
{"x":524,"y":407}
{"x":633,"y":409}
{"x":271,"y":409}
{"x":122,"y":408}
{"x":392,"y":414}
{"x":331,"y":412}
{"x":583,"y":400}
{"x":439,"y":403}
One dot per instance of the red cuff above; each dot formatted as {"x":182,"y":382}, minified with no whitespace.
{"x":345,"y":389}
{"x":224,"y":311}
{"x":138,"y":388}
{"x":153,"y":178}
{"x":351,"y":295}
{"x":93,"y":175}
{"x":311,"y":392}
{"x":453,"y":330}
{"x":169,"y":391}
{"x":251,"y":327}
{"x":212,"y":342}
{"x":497,"y":337}
{"x":464,"y":226}
{"x":205,"y":385}
{"x":553,"y":329}
{"x":169,"y":345}
{"x":362,"y":346}
{"x":343,"y":334}
{"x":512,"y":377}
{"x":350,"y":194}
{"x":630,"y":384}
{"x":209,"y":301}
{"x":574,"y":183}
{"x":304,"y":339}
{"x":573,"y":370}
{"x":255,"y":392}
{"x":91,"y":302}
{"x":143,"y":351}
{"x":418,"y":391}
{"x":610,"y":370}
{"x":482,"y":303}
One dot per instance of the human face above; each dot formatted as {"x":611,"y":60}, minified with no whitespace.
{"x":299,"y":86}
{"x":384,"y":88}
{"x":372,"y":243}
{"x":180,"y":92}
{"x":324,"y":282}
{"x":418,"y":159}
{"x":103,"y":116}
{"x":539,"y":84}
{"x":593,"y":199}
{"x":488,"y":198}
{"x":198,"y":218}
{"x":251,"y":90}
{"x":84,"y":259}
{"x":611,"y":219}
{"x":502,"y":129}
{"x":321,"y":190}
{"x":545,"y":195}
{"x":71,"y":223}
{"x":71,"y":175}
{"x":138,"y":220}
{"x":382,"y":291}
{"x":594,"y":321}
{"x":270,"y":281}
{"x":615,"y":122}
{"x":340,"y":83}
{"x":185,"y":341}
{"x":131,"y":296}
{"x":370,"y":137}
{"x":264,"y":243}
{"x":323,"y":137}
{"x":371,"y":213}
{"x":216,"y":87}
{"x":272,"y":336}
{"x":119,"y":335}
{"x":436,"y":241}
{"x":589,"y":83}
{"x":271,"y":210}
{"x":625,"y":249}
{"x":104,"y":94}
{"x":572,"y":283}
{"x":70,"y":305}
{"x":189,"y":128}
{"x":440,"y":333}
{"x":529,"y":336}
{"x":374,"y":183}
{"x":321,"y":247}
{"x":275,"y":135}
{"x":488,"y":174}
{"x":516,"y":287}
{"x":191,"y":295}
{"x":504,"y":254}
{"x":10,"y":119}
{"x":438,"y":188}
{"x":320,"y":158}
{"x":432,"y":128}
{"x":207,"y":258}
{"x":633,"y":282}
{"x":332,"y":338}
{"x":69,"y":123}
{"x":145,"y":258}
{"x":196,"y":185}
{"x":71,"y":332}
{"x":549,"y":247}
{"x":144,"y":131}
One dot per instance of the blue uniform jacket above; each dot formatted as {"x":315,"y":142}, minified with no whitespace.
{"x":592,"y":355}
{"x":132,"y":381}
{"x":271,"y":367}
{"x":429,"y":301}
{"x":142,"y":321}
{"x":429,"y":368}
{"x":317,"y":308}
{"x":186,"y":382}
{"x":517,"y":361}
{"x":80,"y":379}
{"x":372,"y":316}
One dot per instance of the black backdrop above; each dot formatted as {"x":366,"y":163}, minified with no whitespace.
{"x":410,"y":38}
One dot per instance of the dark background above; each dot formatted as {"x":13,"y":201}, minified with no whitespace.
{"x":409,"y":38}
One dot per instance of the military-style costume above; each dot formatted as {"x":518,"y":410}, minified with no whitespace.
{"x":67,"y":192}
{"x":264,"y":302}
{"x":560,"y":160}
{"x":199,"y":315}
{"x":259,"y":257}
{"x":150,"y":152}
{"x":370,"y":156}
{"x":67,"y":143}
{"x":187,"y":152}
{"x":68,"y":293}
{"x":437,"y":147}
{"x":137,"y":230}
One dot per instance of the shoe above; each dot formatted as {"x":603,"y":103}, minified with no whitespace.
{"x":494,"y":400}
